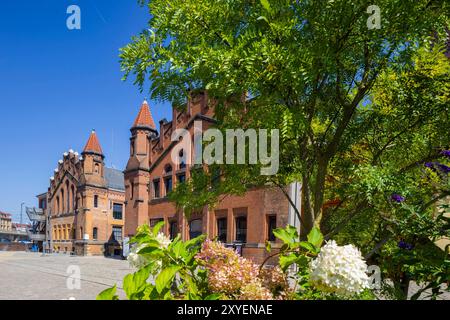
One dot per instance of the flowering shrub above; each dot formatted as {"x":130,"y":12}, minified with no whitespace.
{"x":397,"y":198}
{"x":255,"y":291}
{"x":139,"y":261}
{"x":340,"y":270}
{"x":204,"y":269}
{"x":227,"y":271}
{"x":239,"y":278}
{"x":446,"y":153}
{"x":135,"y":260}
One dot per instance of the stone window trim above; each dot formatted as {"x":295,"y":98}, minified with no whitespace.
{"x":167,"y":175}
{"x":180,"y":171}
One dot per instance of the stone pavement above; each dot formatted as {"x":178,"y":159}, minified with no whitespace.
{"x":32,"y":276}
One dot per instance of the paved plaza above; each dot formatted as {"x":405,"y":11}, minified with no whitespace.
{"x":32,"y":276}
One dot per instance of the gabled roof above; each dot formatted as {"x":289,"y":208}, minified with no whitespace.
{"x":144,"y":117}
{"x":93,"y":145}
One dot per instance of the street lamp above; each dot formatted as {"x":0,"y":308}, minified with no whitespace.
{"x":21,"y":210}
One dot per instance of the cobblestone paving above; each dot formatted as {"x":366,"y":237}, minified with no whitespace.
{"x":32,"y":276}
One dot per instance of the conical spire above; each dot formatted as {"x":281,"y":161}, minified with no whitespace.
{"x":92,"y":145}
{"x":144,"y":117}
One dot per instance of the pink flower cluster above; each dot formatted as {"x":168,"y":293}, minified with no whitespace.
{"x":274,"y":279}
{"x":237,"y":277}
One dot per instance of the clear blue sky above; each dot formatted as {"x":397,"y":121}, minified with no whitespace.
{"x":58,"y":84}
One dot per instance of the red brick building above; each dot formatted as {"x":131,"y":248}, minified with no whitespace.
{"x":85,"y":204}
{"x":151,"y":174}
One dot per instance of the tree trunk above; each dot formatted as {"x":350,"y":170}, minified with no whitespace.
{"x":319,"y":189}
{"x":404,"y":285}
{"x":308,"y":214}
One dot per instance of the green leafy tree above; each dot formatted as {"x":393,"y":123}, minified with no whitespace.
{"x":309,"y":68}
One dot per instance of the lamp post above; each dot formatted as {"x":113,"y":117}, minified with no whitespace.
{"x":21,"y":210}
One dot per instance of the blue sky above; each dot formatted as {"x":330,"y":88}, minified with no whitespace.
{"x":58,"y":84}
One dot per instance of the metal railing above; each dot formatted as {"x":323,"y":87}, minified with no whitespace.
{"x":36,"y":214}
{"x":36,"y":236}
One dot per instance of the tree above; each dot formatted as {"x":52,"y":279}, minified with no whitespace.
{"x":309,"y":68}
{"x":404,"y":176}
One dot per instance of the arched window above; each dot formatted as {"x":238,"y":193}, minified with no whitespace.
{"x":62,"y":201}
{"x":68,"y":197}
{"x":96,"y":201}
{"x":95,"y":233}
{"x":74,"y":203}
{"x":96,"y":169}
{"x":57,"y":205}
{"x":195,"y":228}
{"x":168,"y":168}
{"x":182,"y":159}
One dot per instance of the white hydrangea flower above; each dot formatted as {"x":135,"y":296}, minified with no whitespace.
{"x":138,"y":261}
{"x":163,"y":240}
{"x":135,"y":260}
{"x":339,"y":269}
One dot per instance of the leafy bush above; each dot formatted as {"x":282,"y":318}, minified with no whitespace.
{"x":201,"y":269}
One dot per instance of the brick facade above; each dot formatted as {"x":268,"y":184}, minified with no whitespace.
{"x":80,"y":204}
{"x":151,"y":169}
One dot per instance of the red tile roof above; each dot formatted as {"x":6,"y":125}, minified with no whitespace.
{"x":144,"y":117}
{"x":5,"y":215}
{"x":93,"y":145}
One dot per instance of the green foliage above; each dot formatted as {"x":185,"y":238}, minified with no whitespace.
{"x":360,"y":111}
{"x":108,"y":294}
{"x":299,"y":254}
{"x":168,"y":272}
{"x":349,"y":101}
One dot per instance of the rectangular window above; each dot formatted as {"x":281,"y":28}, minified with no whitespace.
{"x":271,"y":225}
{"x":95,"y":201}
{"x":241,"y":229}
{"x":117,"y":211}
{"x":117,"y":233}
{"x":153,"y":222}
{"x":156,"y":189}
{"x":168,"y":184}
{"x":181,"y":177}
{"x":173,"y":229}
{"x":43,"y":204}
{"x":95,"y":234}
{"x":222,"y":230}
